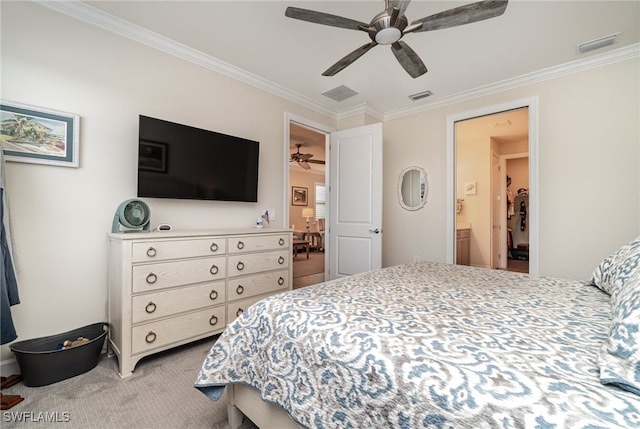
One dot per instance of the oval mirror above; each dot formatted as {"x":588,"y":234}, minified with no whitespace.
{"x":413,"y":188}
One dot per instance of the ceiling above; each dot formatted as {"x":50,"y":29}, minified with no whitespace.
{"x":256,"y":42}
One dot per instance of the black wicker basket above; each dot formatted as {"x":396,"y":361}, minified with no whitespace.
{"x":41,"y":363}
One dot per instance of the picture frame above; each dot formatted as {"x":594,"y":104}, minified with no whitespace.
{"x":39,"y":135}
{"x":299,"y":196}
{"x":152,"y":156}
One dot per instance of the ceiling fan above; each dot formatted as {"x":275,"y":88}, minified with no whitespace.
{"x":390,"y":25}
{"x":303,"y":159}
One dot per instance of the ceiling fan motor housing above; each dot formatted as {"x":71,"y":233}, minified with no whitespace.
{"x":387,"y":33}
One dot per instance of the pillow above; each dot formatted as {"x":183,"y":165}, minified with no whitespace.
{"x":619,"y":358}
{"x":614,"y":272}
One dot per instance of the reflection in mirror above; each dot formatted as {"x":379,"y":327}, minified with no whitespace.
{"x":412,"y":188}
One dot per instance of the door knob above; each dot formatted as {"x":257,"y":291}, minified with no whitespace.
{"x":375,"y":231}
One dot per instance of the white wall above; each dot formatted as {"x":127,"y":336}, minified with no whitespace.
{"x":589,"y":181}
{"x":61,"y":215}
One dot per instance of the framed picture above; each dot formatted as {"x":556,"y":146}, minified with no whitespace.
{"x":298,"y":196}
{"x":37,"y":135}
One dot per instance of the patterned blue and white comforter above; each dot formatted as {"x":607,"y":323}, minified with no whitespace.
{"x":427,"y":345}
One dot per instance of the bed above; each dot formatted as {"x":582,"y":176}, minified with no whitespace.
{"x":432,"y":345}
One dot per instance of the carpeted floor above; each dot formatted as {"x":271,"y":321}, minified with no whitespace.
{"x":159,"y":394}
{"x":304,"y":267}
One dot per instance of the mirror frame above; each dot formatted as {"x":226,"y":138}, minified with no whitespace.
{"x":423,"y":174}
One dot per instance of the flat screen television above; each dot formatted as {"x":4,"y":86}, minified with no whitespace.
{"x":179,"y":161}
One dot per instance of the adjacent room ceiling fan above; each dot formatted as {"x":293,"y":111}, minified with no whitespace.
{"x":303,"y":159}
{"x":390,"y":25}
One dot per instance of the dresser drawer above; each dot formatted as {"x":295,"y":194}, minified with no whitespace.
{"x":245,"y":287}
{"x":167,"y":331}
{"x":172,"y":249}
{"x":149,"y":277}
{"x":240,"y":265}
{"x":161,"y":304}
{"x":236,"y":308}
{"x":258,"y":243}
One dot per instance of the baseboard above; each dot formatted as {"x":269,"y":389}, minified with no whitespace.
{"x":9,"y":367}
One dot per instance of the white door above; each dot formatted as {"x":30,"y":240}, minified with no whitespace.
{"x":355,"y":194}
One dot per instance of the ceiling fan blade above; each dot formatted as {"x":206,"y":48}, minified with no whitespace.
{"x":323,"y":18}
{"x":304,"y":165}
{"x":348,"y":59}
{"x":304,"y":156}
{"x":462,"y":15}
{"x":408,"y":59}
{"x":401,"y":5}
{"x":316,"y":161}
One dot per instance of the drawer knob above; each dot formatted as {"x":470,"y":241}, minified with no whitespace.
{"x":239,"y":312}
{"x":281,"y":260}
{"x":214,"y":247}
{"x":239,"y":289}
{"x":214,"y":269}
{"x":213,"y":321}
{"x":151,"y":252}
{"x":240,"y":266}
{"x":151,"y":337}
{"x":240,"y":245}
{"x":280,"y":281}
{"x":150,"y":308}
{"x":213,"y":295}
{"x":152,"y":278}
{"x":281,"y":241}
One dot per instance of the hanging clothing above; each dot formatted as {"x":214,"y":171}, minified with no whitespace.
{"x":523,"y":216}
{"x":8,"y":278}
{"x":510,"y":204}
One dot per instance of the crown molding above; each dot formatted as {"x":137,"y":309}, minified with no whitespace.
{"x":613,"y":56}
{"x":361,"y":109}
{"x":94,"y":16}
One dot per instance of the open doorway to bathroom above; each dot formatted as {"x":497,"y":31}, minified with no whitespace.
{"x":492,"y":190}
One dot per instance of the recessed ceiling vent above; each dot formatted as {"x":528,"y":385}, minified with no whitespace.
{"x":420,"y":95}
{"x":339,"y":93}
{"x":598,"y":43}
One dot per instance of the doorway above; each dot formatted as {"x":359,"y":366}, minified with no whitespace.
{"x":306,"y":199}
{"x":477,"y":186}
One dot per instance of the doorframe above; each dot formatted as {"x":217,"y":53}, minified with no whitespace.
{"x":534,"y":193}
{"x":322,"y":129}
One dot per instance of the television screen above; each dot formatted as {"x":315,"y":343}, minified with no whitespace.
{"x":179,"y":161}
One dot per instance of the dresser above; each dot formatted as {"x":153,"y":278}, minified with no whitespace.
{"x":171,"y":288}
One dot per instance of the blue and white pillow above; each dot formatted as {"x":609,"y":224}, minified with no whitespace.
{"x":615,"y":270}
{"x":619,"y":357}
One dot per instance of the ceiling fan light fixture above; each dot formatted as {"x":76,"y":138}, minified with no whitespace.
{"x":388,"y":36}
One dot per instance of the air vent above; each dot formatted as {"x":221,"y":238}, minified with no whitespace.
{"x":598,"y":43}
{"x":421,"y":95}
{"x":339,"y":93}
